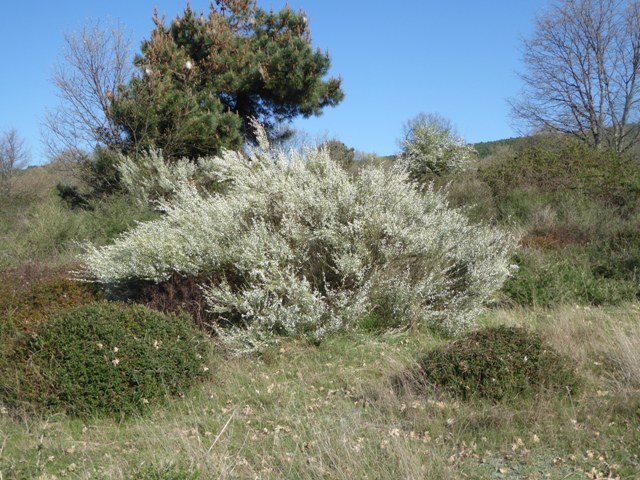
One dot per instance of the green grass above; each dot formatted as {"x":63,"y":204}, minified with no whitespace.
{"x":577,"y":212}
{"x":336,"y":410}
{"x":330,"y":411}
{"x":46,"y":231}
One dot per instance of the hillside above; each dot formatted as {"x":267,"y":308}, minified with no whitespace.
{"x":387,"y":397}
{"x":486,"y":149}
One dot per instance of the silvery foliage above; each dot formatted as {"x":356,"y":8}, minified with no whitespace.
{"x":149,"y":178}
{"x":298,"y":247}
{"x":431,"y":147}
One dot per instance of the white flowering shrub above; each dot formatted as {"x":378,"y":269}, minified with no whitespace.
{"x":149,"y":178}
{"x":430,"y":147}
{"x":298,"y":247}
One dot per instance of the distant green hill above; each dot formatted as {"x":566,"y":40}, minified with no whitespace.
{"x":485,"y":149}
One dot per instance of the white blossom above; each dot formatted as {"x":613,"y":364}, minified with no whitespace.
{"x":431,"y":147}
{"x":297,"y":246}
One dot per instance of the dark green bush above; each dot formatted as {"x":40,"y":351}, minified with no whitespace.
{"x":498,"y":363}
{"x":28,"y":296}
{"x":71,"y":195}
{"x":340,"y":153}
{"x":105,"y":358}
{"x":101,"y":174}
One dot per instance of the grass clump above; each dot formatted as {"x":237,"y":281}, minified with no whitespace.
{"x":498,"y":363}
{"x":165,"y":473}
{"x":104,"y":358}
{"x":44,"y":229}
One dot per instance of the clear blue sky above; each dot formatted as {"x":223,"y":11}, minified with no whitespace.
{"x":458,"y":58}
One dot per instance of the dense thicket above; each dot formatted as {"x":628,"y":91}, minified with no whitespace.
{"x":577,"y":208}
{"x":297,"y":246}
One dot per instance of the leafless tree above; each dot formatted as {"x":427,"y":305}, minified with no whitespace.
{"x":582,"y":69}
{"x":94,"y":63}
{"x":14,"y":155}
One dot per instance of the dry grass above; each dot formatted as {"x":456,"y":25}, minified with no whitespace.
{"x":331,"y":411}
{"x":605,"y":342}
{"x":626,"y":354}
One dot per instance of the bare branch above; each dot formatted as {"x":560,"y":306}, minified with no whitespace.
{"x":583,"y":63}
{"x":95,"y":62}
{"x":14,"y":155}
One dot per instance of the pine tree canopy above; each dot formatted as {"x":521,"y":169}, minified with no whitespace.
{"x":202,"y":78}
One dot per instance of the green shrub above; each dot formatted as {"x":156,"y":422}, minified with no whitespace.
{"x":498,"y":363}
{"x":577,"y":275}
{"x":561,"y":164}
{"x":340,"y":153}
{"x":28,"y":296}
{"x":485,"y":149}
{"x":467,"y":191}
{"x":83,"y":174}
{"x":72,"y":197}
{"x":579,"y":211}
{"x":106,"y":358}
{"x":299,"y":247}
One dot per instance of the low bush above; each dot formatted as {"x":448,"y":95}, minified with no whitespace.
{"x":498,"y":363}
{"x":298,"y":246}
{"x":31,"y":293}
{"x":104,"y":358}
{"x":340,"y":153}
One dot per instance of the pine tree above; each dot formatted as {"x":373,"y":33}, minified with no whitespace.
{"x":203,"y":78}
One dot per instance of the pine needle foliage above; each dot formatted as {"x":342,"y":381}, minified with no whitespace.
{"x":202,"y":78}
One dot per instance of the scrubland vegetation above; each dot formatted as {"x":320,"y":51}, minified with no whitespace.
{"x":544,"y":383}
{"x":191,"y":301}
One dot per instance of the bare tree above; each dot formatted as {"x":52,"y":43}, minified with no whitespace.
{"x":95,"y":62}
{"x":582,"y":69}
{"x":14,"y":155}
